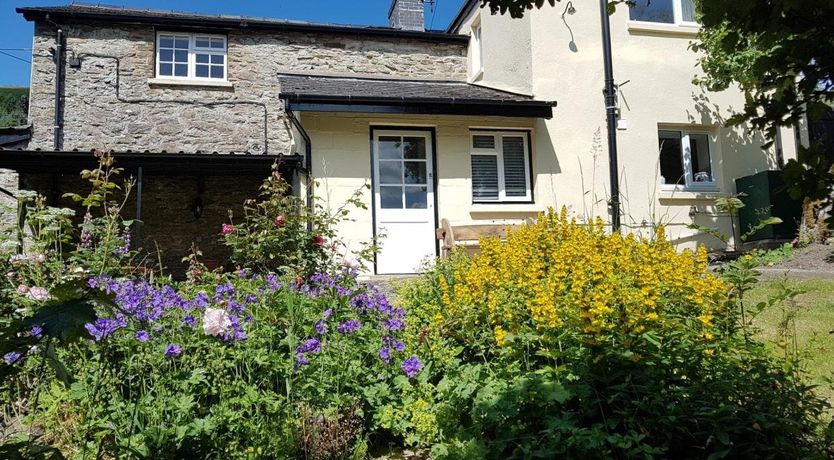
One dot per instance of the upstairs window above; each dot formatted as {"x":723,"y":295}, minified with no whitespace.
{"x":500,"y":167}
{"x":476,"y":54}
{"x":664,"y":11}
{"x":191,"y":56}
{"x":686,"y":160}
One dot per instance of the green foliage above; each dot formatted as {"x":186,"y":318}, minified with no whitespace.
{"x":777,"y":51}
{"x":774,"y":256}
{"x":14,"y":106}
{"x":517,"y":8}
{"x":730,"y":205}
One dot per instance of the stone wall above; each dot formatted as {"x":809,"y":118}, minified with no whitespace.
{"x":176,"y":118}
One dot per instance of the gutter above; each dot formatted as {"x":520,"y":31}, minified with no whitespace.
{"x":464,"y":11}
{"x":203,"y":22}
{"x":308,"y":156}
{"x":58,"y":130}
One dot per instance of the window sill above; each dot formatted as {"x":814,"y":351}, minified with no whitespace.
{"x":654,"y":28}
{"x":192,"y":83}
{"x":690,"y":195}
{"x":505,"y":207}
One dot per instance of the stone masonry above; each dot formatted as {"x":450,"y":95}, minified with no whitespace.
{"x":174,"y":118}
{"x":407,"y":15}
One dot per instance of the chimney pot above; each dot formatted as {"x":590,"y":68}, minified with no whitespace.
{"x":407,"y":15}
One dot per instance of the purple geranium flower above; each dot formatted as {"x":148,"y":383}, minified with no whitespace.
{"x":103,"y":328}
{"x":385,"y":354}
{"x":142,"y":336}
{"x":36,"y":332}
{"x":321,"y":327}
{"x":173,"y":350}
{"x":412,"y":366}
{"x":349,"y":326}
{"x":11,"y":357}
{"x":189,"y":321}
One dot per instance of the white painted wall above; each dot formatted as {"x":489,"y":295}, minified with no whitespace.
{"x":566,"y":58}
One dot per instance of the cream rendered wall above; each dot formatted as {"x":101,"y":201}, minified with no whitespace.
{"x":566,"y":56}
{"x":506,"y":64}
{"x":342,"y":164}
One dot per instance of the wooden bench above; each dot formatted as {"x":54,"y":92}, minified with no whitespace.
{"x":468,"y":235}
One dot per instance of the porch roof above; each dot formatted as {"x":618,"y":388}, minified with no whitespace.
{"x":318,"y":93}
{"x":153,"y":163}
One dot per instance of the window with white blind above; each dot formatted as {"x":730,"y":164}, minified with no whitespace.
{"x":191,"y":56}
{"x":500,"y":167}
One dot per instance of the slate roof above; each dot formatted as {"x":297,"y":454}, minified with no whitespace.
{"x":117,"y":14}
{"x":452,"y":97}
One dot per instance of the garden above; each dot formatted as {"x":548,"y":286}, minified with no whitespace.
{"x":563,"y":341}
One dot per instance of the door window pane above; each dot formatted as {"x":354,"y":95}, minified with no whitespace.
{"x":390,"y":172}
{"x":390,"y":148}
{"x":414,"y":148}
{"x":671,"y":160}
{"x":484,"y":177}
{"x":416,"y":197}
{"x":415,"y":172}
{"x":391,"y":197}
{"x":653,"y":11}
{"x":515,"y":174}
{"x":700,"y":157}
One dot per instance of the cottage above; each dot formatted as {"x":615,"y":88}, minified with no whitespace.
{"x":460,"y":124}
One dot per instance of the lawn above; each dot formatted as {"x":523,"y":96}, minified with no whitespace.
{"x":814,"y":325}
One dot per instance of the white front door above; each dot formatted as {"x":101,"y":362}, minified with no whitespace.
{"x":403,"y":199}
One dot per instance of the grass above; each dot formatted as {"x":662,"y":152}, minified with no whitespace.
{"x":814,"y":324}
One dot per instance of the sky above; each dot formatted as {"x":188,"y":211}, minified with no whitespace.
{"x":16,"y":35}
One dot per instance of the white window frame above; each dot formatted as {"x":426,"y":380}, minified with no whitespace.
{"x":677,"y":13}
{"x":477,"y":53}
{"x":193,"y":50}
{"x":686,"y":158}
{"x":498,"y":152}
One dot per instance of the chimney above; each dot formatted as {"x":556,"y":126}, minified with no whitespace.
{"x":406,"y":15}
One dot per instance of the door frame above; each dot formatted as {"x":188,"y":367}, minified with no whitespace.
{"x":432,"y":131}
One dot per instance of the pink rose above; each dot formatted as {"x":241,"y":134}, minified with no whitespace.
{"x":318,"y":241}
{"x":280,"y":220}
{"x":228,"y":229}
{"x":23,"y":289}
{"x":38,"y":293}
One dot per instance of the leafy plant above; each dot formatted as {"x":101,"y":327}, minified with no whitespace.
{"x":730,"y":205}
{"x":281,"y":234}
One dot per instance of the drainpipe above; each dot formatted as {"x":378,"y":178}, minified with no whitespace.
{"x":59,"y":78}
{"x":610,"y":92}
{"x":308,"y":155}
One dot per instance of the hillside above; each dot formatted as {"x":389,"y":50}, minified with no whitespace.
{"x":14,"y":102}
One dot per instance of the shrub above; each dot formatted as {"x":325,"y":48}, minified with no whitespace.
{"x":279,"y":233}
{"x":565,"y":341}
